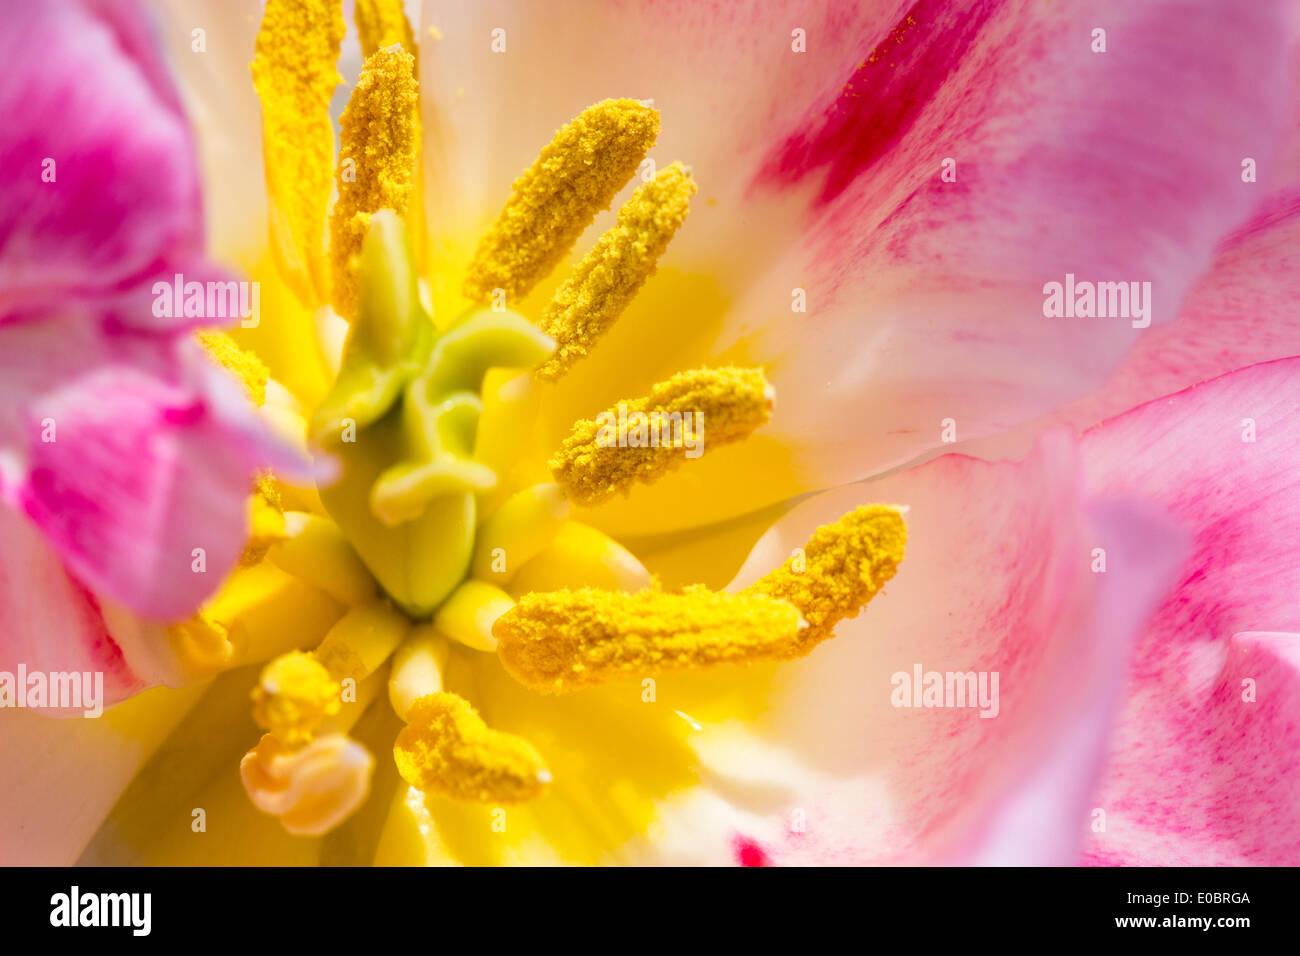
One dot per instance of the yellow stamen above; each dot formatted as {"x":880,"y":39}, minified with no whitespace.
{"x":510,"y":404}
{"x":562,"y":640}
{"x":294,"y":696}
{"x":362,"y":641}
{"x":447,"y":749}
{"x":643,"y":439}
{"x":203,"y":647}
{"x":576,"y":176}
{"x":245,"y":366}
{"x":521,"y":527}
{"x":469,"y":613}
{"x":842,"y":567}
{"x":311,"y":790}
{"x":607,"y":280}
{"x":380,"y":131}
{"x":269,"y":613}
{"x":417,"y":668}
{"x":579,"y":556}
{"x":356,"y":701}
{"x":382,"y":23}
{"x":316,"y":551}
{"x":295,"y":75}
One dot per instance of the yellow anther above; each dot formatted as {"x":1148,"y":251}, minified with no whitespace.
{"x":555,"y":642}
{"x":382,"y":23}
{"x":447,"y":749}
{"x":203,"y":647}
{"x":316,"y":551}
{"x":294,"y":696}
{"x":842,"y":567}
{"x":245,"y":366}
{"x":606,"y":281}
{"x":643,"y":439}
{"x":359,"y":643}
{"x":579,"y":556}
{"x":312,"y":789}
{"x":417,"y":668}
{"x":576,"y":176}
{"x":469,"y":613}
{"x":379,"y":133}
{"x":518,"y":530}
{"x":295,"y":74}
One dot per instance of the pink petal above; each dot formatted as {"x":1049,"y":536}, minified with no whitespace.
{"x":1198,"y":773}
{"x":124,"y":205}
{"x":1040,"y":819}
{"x":1240,"y":313}
{"x":996,"y":579}
{"x":49,"y":622}
{"x":1120,"y":166}
{"x":131,"y":454}
{"x":155,"y":449}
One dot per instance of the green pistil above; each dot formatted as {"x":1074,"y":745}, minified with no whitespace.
{"x":402,"y":417}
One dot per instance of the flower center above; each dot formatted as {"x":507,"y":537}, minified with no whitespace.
{"x":426,"y":423}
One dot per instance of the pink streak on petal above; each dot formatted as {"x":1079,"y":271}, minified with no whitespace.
{"x":883,"y":99}
{"x":748,"y":852}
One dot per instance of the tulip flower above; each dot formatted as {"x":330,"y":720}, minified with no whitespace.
{"x":520,"y":622}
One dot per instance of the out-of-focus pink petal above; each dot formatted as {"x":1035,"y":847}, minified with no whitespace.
{"x":1199,"y":772}
{"x":1240,"y":313}
{"x":822,"y":171}
{"x":996,"y":579}
{"x":1044,"y":814}
{"x":49,"y":622}
{"x":125,"y":446}
{"x":102,"y":189}
{"x":133,"y":454}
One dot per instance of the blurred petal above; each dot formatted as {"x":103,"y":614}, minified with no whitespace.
{"x":130,"y":454}
{"x":63,"y":776}
{"x":1040,"y":818}
{"x":1204,"y":768}
{"x":217,"y":91}
{"x":127,"y":449}
{"x":1240,"y":313}
{"x":99,"y":203}
{"x":49,"y":622}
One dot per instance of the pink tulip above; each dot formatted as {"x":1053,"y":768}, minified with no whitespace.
{"x":887,"y":188}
